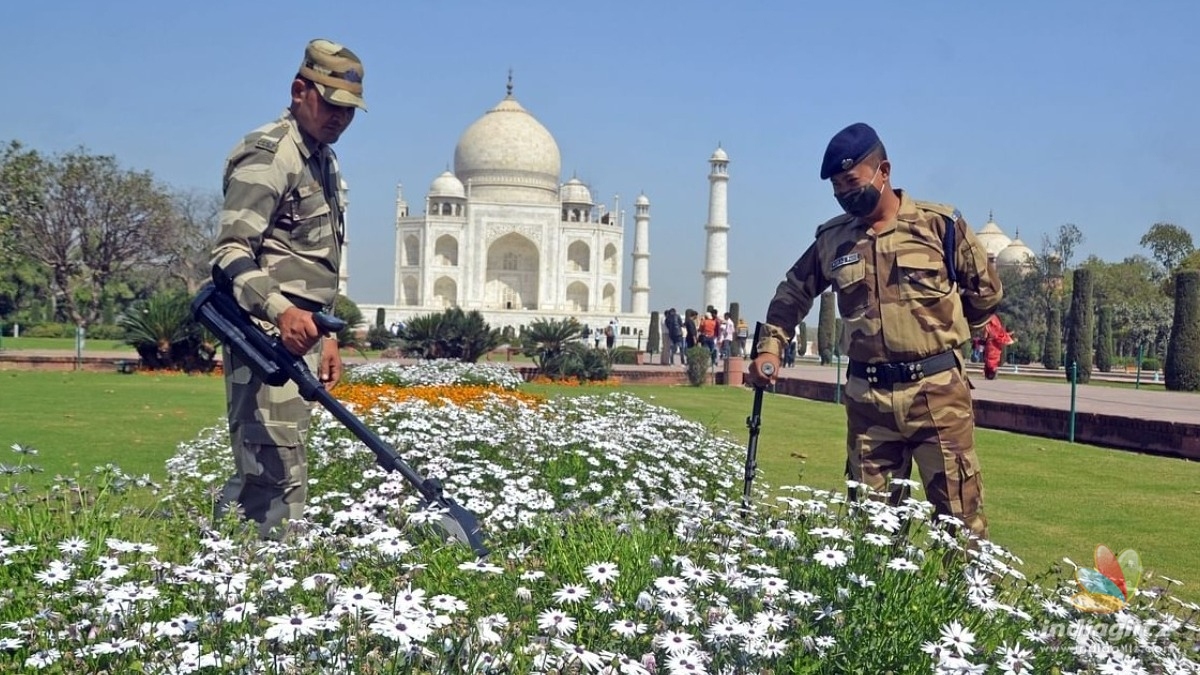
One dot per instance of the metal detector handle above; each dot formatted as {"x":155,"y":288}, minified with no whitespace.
{"x":328,"y":323}
{"x":767,"y":369}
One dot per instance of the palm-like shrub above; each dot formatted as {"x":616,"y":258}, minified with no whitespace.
{"x":166,"y":336}
{"x":345,"y":309}
{"x":452,"y":334}
{"x":559,"y":355}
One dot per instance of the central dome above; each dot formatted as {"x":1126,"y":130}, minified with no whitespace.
{"x":508,"y":156}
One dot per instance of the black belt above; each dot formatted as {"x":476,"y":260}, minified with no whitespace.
{"x":305,"y":304}
{"x":888,"y":374}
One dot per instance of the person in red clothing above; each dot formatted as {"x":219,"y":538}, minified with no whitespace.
{"x":995,"y":339}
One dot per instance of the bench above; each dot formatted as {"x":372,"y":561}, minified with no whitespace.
{"x":126,"y":367}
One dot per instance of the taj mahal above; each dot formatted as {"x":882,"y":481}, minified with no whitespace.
{"x":502,"y":235}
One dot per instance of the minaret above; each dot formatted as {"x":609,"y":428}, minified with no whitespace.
{"x":401,"y":213}
{"x":639,"y":290}
{"x":716,"y":259}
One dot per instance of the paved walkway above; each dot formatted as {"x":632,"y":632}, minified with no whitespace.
{"x":1055,"y":394}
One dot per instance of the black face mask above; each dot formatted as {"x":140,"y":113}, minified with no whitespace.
{"x":860,"y":202}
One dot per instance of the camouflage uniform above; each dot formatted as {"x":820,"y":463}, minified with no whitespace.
{"x":281,"y":237}
{"x":898,"y":304}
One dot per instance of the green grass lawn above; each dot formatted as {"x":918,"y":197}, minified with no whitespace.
{"x":62,"y":344}
{"x":1045,"y":499}
{"x":84,"y":419}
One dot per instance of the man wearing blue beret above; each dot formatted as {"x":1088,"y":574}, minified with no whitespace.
{"x":912,"y":283}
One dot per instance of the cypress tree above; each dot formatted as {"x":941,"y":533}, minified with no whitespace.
{"x":1052,"y":349}
{"x":1104,"y":339}
{"x":1182,"y":369}
{"x":655,"y":334}
{"x":1080,"y":327}
{"x":379,"y":316}
{"x":801,"y":340}
{"x":825,"y":328}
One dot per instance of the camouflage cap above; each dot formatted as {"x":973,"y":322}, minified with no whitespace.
{"x":336,"y":71}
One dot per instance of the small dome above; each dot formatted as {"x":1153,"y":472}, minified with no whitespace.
{"x":719,"y":155}
{"x":575,"y":192}
{"x":1015,"y":254}
{"x":993,"y":238}
{"x":642,"y":200}
{"x":447,"y":185}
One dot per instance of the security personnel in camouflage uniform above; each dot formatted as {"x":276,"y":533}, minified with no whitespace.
{"x":907,"y":304}
{"x":280,"y":246}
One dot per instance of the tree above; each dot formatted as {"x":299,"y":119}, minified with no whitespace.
{"x":1080,"y":327}
{"x":654,"y":337}
{"x":1182,"y":368}
{"x":195,"y":223}
{"x":1104,"y":339}
{"x":1064,"y":243}
{"x":1052,"y":346}
{"x":93,"y":222}
{"x":735,"y":345}
{"x":801,"y":339}
{"x":826,"y":320}
{"x":1169,"y":244}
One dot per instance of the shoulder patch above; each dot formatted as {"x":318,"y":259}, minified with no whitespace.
{"x":946,"y":210}
{"x":271,"y":136}
{"x":834,"y":222}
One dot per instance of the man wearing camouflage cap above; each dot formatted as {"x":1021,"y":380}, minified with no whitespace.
{"x":912,"y":284}
{"x":279,"y":250}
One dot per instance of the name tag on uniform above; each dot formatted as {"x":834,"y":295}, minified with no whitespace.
{"x":848,"y":259}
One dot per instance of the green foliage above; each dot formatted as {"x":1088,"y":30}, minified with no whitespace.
{"x":347,"y":310}
{"x":1020,"y":352}
{"x":1182,"y":368}
{"x":654,"y":337}
{"x":801,"y":339}
{"x":559,"y":355}
{"x":1052,"y":346}
{"x":380,"y":317}
{"x":1104,"y":339}
{"x":1150,"y":363}
{"x":625,"y":356}
{"x":379,"y":337}
{"x":699,"y":360}
{"x":452,"y":334}
{"x":166,"y":336}
{"x":825,"y":328}
{"x":1081,"y":327}
{"x":1169,"y":245}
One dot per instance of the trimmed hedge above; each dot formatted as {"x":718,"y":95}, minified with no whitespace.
{"x":1182,"y":368}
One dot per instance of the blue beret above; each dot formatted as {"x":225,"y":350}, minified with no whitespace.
{"x":847,"y":148}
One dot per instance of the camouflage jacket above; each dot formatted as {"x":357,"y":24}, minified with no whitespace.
{"x":894,"y":292}
{"x":282,"y":224}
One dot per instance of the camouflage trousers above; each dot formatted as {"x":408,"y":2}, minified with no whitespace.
{"x":267,"y":428}
{"x":929,"y":422}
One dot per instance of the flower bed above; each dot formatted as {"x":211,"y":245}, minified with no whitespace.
{"x":618,"y":547}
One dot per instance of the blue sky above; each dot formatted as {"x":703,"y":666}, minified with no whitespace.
{"x":1045,"y":112}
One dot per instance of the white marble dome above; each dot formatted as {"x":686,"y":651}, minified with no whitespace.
{"x":719,"y":155}
{"x":993,"y":238}
{"x":447,"y":185}
{"x":1015,"y":254}
{"x":575,"y":192}
{"x":508,"y":156}
{"x":642,"y":200}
